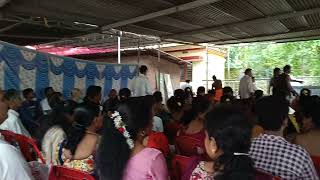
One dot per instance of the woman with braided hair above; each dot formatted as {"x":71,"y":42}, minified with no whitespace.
{"x":121,"y":153}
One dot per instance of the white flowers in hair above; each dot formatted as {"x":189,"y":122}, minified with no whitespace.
{"x":121,"y":127}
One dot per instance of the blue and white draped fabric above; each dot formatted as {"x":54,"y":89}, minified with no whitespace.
{"x":22,"y":68}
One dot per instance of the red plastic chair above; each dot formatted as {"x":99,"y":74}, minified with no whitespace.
{"x":159,"y":141}
{"x":188,"y":146}
{"x":27,"y":146}
{"x":260,"y":175}
{"x":179,"y":165}
{"x":64,"y":173}
{"x":316,"y":162}
{"x":9,"y":136}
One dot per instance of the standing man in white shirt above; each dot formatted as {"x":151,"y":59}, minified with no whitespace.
{"x":246,"y":87}
{"x":12,"y":164}
{"x":44,"y":103}
{"x":13,"y":122}
{"x":140,"y":85}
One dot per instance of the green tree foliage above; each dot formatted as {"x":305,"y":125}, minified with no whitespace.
{"x":304,"y":57}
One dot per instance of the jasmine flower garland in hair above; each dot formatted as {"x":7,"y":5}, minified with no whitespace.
{"x":121,"y":127}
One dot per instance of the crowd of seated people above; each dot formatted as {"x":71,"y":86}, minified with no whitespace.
{"x":135,"y":138}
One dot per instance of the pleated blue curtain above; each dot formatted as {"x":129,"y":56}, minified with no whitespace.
{"x":15,"y":57}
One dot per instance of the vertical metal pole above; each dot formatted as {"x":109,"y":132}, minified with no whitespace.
{"x":207,"y":67}
{"x":228,"y":61}
{"x":159,"y":52}
{"x":139,"y":50}
{"x":119,"y":48}
{"x":159,"y":73}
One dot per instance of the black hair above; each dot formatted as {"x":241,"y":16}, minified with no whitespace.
{"x":286,"y":68}
{"x":175,"y":104}
{"x":271,"y":112}
{"x":310,"y":109}
{"x":55,"y":100}
{"x":188,"y":90}
{"x":47,"y":89}
{"x":258,"y":94}
{"x":211,"y":92}
{"x":199,"y":105}
{"x":247,"y":71}
{"x":110,"y":105}
{"x":93,"y":91}
{"x":157,"y":97}
{"x":83,"y":116}
{"x":11,"y":95}
{"x":179,"y":93}
{"x":214,"y":77}
{"x":26,"y":92}
{"x":114,"y":153}
{"x":69,"y":107}
{"x":232,"y":133}
{"x":305,"y":92}
{"x":188,"y":93}
{"x":124,"y":94}
{"x":113,"y":90}
{"x":227,"y":90}
{"x":276,"y":70}
{"x":143,"y":69}
{"x":227,"y":99}
{"x":188,"y":81}
{"x":60,"y":114}
{"x":201,"y":89}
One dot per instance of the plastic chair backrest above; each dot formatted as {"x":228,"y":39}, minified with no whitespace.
{"x":159,"y":141}
{"x":188,"y":146}
{"x":9,"y":136}
{"x":179,"y":166}
{"x":316,"y":162}
{"x":260,"y":175}
{"x":27,"y":146}
{"x":64,"y":173}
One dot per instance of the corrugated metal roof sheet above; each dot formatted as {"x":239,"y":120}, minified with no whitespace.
{"x":152,"y":4}
{"x":161,"y":27}
{"x":304,"y":4}
{"x":313,"y":19}
{"x":271,"y":6}
{"x":295,"y":23}
{"x":221,"y":13}
{"x":267,"y":28}
{"x":235,"y":32}
{"x":240,"y":9}
{"x":205,"y":16}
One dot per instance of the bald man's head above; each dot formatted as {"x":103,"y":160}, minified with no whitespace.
{"x":3,"y":111}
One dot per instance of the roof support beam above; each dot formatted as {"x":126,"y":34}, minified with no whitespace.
{"x":51,"y":24}
{"x":244,"y":23}
{"x":7,"y":28}
{"x":290,"y":35}
{"x":175,"y":9}
{"x":307,"y":38}
{"x":29,"y":37}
